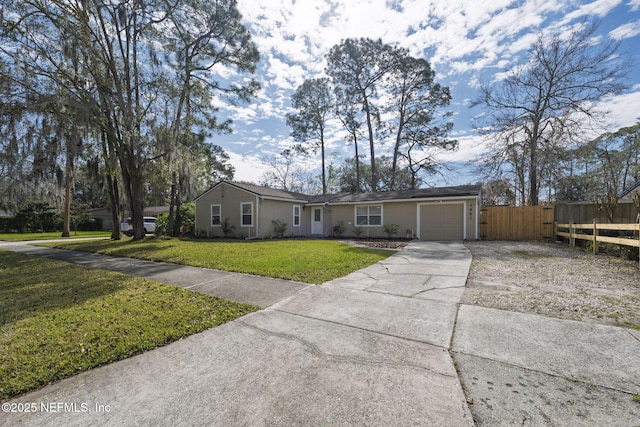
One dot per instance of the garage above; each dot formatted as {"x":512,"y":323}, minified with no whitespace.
{"x":443,"y":221}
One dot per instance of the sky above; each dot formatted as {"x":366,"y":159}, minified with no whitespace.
{"x":466,"y":42}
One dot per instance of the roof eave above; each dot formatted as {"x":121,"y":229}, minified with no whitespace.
{"x":412,"y":199}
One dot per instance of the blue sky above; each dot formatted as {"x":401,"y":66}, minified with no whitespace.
{"x":466,"y":42}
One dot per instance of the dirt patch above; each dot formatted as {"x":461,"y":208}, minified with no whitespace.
{"x":555,"y":280}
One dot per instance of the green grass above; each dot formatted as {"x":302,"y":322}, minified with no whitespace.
{"x":61,"y":319}
{"x":21,"y":237}
{"x":309,"y":261}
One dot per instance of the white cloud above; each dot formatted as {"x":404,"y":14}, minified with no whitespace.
{"x":626,"y":31}
{"x":599,"y":8}
{"x":623,"y":109}
{"x":466,"y":42}
{"x":249,"y":167}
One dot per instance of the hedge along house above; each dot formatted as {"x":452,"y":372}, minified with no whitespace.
{"x":446,"y":213}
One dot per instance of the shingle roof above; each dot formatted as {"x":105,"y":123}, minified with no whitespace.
{"x":269,"y":192}
{"x":629,"y":190}
{"x":420,"y":193}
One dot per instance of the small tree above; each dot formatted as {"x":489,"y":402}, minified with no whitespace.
{"x":226,"y":227}
{"x":339,"y":228}
{"x":390,"y":229}
{"x":314,"y":103}
{"x":279,"y":227}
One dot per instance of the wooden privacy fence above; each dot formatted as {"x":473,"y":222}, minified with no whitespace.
{"x":591,"y":232}
{"x":516,"y":222}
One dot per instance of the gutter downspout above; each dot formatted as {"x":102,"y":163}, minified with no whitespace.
{"x":257,"y":216}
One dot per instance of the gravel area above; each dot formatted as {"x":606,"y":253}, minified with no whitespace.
{"x":556,"y":280}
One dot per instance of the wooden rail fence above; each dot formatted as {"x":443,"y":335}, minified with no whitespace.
{"x":591,"y":232}
{"x":517,"y":223}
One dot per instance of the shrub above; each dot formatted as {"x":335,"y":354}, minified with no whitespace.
{"x":184,"y":221}
{"x":358,"y":231}
{"x":186,"y":218}
{"x":612,"y":249}
{"x":339,"y":229}
{"x":390,"y":229}
{"x":227,"y":228}
{"x":38,"y":216}
{"x":279,"y":227}
{"x":162,"y":225}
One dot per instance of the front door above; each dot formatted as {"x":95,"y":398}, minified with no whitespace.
{"x":316,"y":221}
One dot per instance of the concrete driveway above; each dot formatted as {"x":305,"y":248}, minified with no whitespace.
{"x":370,"y":348}
{"x":376,"y":347}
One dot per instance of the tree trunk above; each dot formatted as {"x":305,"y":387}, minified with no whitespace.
{"x":134,"y":193}
{"x":72,"y":151}
{"x":396,"y":149}
{"x":172,"y":203}
{"x":114,"y":201}
{"x":533,"y":174}
{"x":324,"y":174}
{"x":374,"y":178}
{"x":355,"y":142}
{"x":112,"y":185}
{"x":132,"y":180}
{"x":66,"y":210}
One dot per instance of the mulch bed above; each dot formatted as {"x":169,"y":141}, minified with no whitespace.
{"x":379,"y":244}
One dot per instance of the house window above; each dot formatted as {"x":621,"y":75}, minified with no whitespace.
{"x":216,"y":215}
{"x":296,"y":216}
{"x":369,"y":215}
{"x":247,"y":214}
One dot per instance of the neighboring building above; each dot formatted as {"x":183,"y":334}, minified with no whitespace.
{"x":446,"y":213}
{"x":104,"y":214}
{"x":630,"y":192}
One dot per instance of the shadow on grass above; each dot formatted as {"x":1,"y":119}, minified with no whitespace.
{"x":30,"y":286}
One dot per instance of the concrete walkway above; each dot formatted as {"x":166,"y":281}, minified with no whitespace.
{"x":371,"y":348}
{"x":256,"y":290}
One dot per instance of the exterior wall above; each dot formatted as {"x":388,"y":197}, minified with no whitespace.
{"x":402,"y":214}
{"x":271,"y":210}
{"x":230,"y":199}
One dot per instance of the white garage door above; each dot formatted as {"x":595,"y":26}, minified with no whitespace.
{"x":442,"y":222}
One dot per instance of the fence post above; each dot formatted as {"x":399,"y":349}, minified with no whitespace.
{"x":555,"y":230}
{"x":595,"y":237}
{"x":572,"y":240}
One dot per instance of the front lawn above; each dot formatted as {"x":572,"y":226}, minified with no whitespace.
{"x":22,"y":237}
{"x":60,"y":319}
{"x":309,"y":261}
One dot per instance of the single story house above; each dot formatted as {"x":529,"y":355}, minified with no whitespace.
{"x":446,"y":213}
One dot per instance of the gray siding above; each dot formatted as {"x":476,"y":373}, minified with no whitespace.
{"x":230,"y":199}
